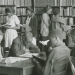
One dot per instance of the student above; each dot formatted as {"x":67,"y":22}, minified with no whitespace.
{"x":57,"y":22}
{"x":11,"y":26}
{"x":23,"y":44}
{"x":58,"y":50}
{"x":45,"y":27}
{"x":33,"y":23}
{"x":45,"y":24}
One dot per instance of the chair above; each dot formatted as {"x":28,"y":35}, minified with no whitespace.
{"x":72,"y":64}
{"x":59,"y":67}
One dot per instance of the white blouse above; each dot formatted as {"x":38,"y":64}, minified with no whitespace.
{"x":13,"y":21}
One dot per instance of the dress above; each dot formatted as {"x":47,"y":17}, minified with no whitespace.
{"x":11,"y":34}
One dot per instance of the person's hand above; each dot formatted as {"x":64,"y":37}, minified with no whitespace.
{"x":37,"y":64}
{"x":7,"y":27}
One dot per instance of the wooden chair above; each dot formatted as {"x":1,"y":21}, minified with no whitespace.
{"x":59,"y":67}
{"x":72,"y":64}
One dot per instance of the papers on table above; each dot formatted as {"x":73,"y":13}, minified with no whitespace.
{"x":12,"y":60}
{"x":29,"y":55}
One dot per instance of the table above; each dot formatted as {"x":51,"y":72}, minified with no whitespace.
{"x":18,"y":68}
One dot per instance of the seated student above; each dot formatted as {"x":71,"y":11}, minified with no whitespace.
{"x":1,"y":49}
{"x":73,"y":38}
{"x":21,"y":44}
{"x":58,"y":50}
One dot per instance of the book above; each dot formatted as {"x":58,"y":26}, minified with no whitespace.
{"x":26,"y":4}
{"x":17,"y":3}
{"x":22,"y":2}
{"x":29,"y":55}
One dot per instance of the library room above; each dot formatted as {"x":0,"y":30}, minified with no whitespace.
{"x":37,"y":37}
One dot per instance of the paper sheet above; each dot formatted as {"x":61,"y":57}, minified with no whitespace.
{"x":29,"y":55}
{"x":12,"y":60}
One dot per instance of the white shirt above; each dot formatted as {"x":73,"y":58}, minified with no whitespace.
{"x":13,"y":20}
{"x":28,"y":20}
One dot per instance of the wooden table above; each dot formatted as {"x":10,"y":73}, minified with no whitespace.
{"x":18,"y":68}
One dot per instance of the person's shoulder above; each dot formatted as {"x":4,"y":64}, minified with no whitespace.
{"x":14,"y":16}
{"x":44,"y":14}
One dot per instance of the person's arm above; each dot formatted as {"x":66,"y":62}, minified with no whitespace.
{"x":16,"y":22}
{"x":33,"y":48}
{"x":16,"y":27}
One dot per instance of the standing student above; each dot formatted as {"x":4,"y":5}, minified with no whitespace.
{"x":45,"y":23}
{"x":45,"y":27}
{"x":11,"y":26}
{"x":33,"y":23}
{"x":57,"y":22}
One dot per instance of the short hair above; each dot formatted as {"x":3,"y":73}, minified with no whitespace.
{"x":73,"y":32}
{"x":30,"y":9}
{"x":56,"y":11}
{"x":9,"y":10}
{"x":46,"y":8}
{"x":55,"y":33}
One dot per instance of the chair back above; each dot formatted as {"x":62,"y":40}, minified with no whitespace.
{"x":59,"y":67}
{"x":72,"y":64}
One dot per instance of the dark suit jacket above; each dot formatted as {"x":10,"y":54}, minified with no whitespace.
{"x":34,"y":25}
{"x":17,"y":48}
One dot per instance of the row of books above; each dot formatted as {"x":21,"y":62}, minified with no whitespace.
{"x":21,"y":11}
{"x":6,"y":2}
{"x":22,"y":19}
{"x":2,"y":19}
{"x":73,"y":11}
{"x":23,"y":3}
{"x":40,"y":2}
{"x":16,"y":2}
{"x":2,"y":10}
{"x":60,"y":2}
{"x":54,"y":2}
{"x":66,"y":11}
{"x":66,"y":2}
{"x":68,"y":20}
{"x":38,"y":10}
{"x":73,"y":2}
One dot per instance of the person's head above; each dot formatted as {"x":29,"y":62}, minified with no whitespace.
{"x":29,"y":11}
{"x":73,"y":35}
{"x":55,"y":37}
{"x":9,"y":11}
{"x":56,"y":11}
{"x":1,"y":36}
{"x":47,"y":9}
{"x":27,"y":38}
